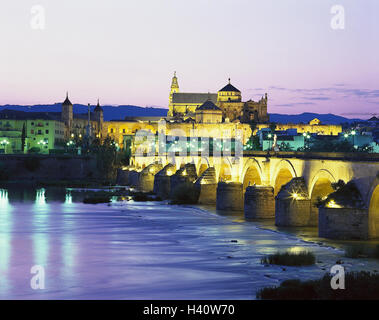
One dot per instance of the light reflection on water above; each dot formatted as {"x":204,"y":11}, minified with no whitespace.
{"x":5,"y":238}
{"x":41,"y":213}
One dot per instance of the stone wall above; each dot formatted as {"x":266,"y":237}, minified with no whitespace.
{"x":259,"y":202}
{"x":229,"y":196}
{"x":48,"y":167}
{"x":343,"y":223}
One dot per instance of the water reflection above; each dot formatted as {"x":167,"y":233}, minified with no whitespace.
{"x":4,"y":201}
{"x":40,"y":222}
{"x":68,"y":199}
{"x":40,"y":197}
{"x":5,"y":238}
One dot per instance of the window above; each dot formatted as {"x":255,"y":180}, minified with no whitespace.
{"x":47,"y":131}
{"x":32,"y":131}
{"x":39,"y":132}
{"x":32,"y":123}
{"x":111,"y":130}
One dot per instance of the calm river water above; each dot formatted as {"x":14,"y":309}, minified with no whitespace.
{"x":129,"y":250}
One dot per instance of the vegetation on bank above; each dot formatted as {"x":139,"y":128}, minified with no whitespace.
{"x":302,"y":258}
{"x":103,"y":196}
{"x":356,"y":251}
{"x":358,"y":286}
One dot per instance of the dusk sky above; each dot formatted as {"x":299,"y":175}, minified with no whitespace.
{"x":125,"y":52}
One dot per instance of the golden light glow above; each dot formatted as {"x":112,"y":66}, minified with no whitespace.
{"x":170,"y":172}
{"x":333,"y":204}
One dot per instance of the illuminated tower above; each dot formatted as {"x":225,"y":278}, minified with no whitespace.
{"x":99,"y":117}
{"x":67,"y":115}
{"x":174,"y":89}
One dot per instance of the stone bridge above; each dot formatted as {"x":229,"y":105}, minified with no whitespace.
{"x":284,"y":185}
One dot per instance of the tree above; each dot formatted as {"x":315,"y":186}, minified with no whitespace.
{"x":253,"y":125}
{"x":273,"y":127}
{"x":256,"y":145}
{"x":23,"y":137}
{"x":106,"y":155}
{"x":285,"y":147}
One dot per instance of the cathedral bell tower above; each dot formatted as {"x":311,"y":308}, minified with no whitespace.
{"x":67,"y":116}
{"x":174,"y":89}
{"x":174,"y":86}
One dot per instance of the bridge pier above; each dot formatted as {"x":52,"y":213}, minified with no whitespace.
{"x":207,"y":186}
{"x":343,"y":223}
{"x":292,"y":205}
{"x":259,"y":202}
{"x":162,"y":181}
{"x":134,"y":178}
{"x":122,"y":177}
{"x":186,"y":174}
{"x":229,"y":196}
{"x":146,"y":177}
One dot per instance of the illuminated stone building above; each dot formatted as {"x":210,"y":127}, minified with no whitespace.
{"x":229,"y":99}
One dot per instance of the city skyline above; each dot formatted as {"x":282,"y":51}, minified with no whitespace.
{"x":128,"y":57}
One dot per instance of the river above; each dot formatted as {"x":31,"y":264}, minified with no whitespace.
{"x":150,"y":250}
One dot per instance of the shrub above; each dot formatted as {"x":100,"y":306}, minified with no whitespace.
{"x":362,"y":251}
{"x":185,"y":193}
{"x":358,"y":286}
{"x":356,"y":251}
{"x":302,"y":258}
{"x":32,"y":164}
{"x":34,"y":150}
{"x":144,"y":196}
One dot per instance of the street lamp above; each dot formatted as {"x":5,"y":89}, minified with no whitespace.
{"x":4,"y":143}
{"x":353,"y":133}
{"x":270,"y":136}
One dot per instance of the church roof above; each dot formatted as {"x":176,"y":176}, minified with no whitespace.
{"x":229,"y":88}
{"x":98,"y":107}
{"x":67,"y":102}
{"x":208,"y":105}
{"x":193,"y":98}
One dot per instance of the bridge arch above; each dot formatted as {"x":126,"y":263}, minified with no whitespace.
{"x":252,"y":173}
{"x":202,"y":165}
{"x":225,"y":170}
{"x":284,"y":173}
{"x":320,"y":187}
{"x":373,"y":211}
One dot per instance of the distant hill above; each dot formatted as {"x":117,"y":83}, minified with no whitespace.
{"x":110,"y":112}
{"x":306,"y":117}
{"x":120,"y":112}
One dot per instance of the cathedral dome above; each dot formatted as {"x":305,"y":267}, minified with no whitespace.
{"x":229,"y":88}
